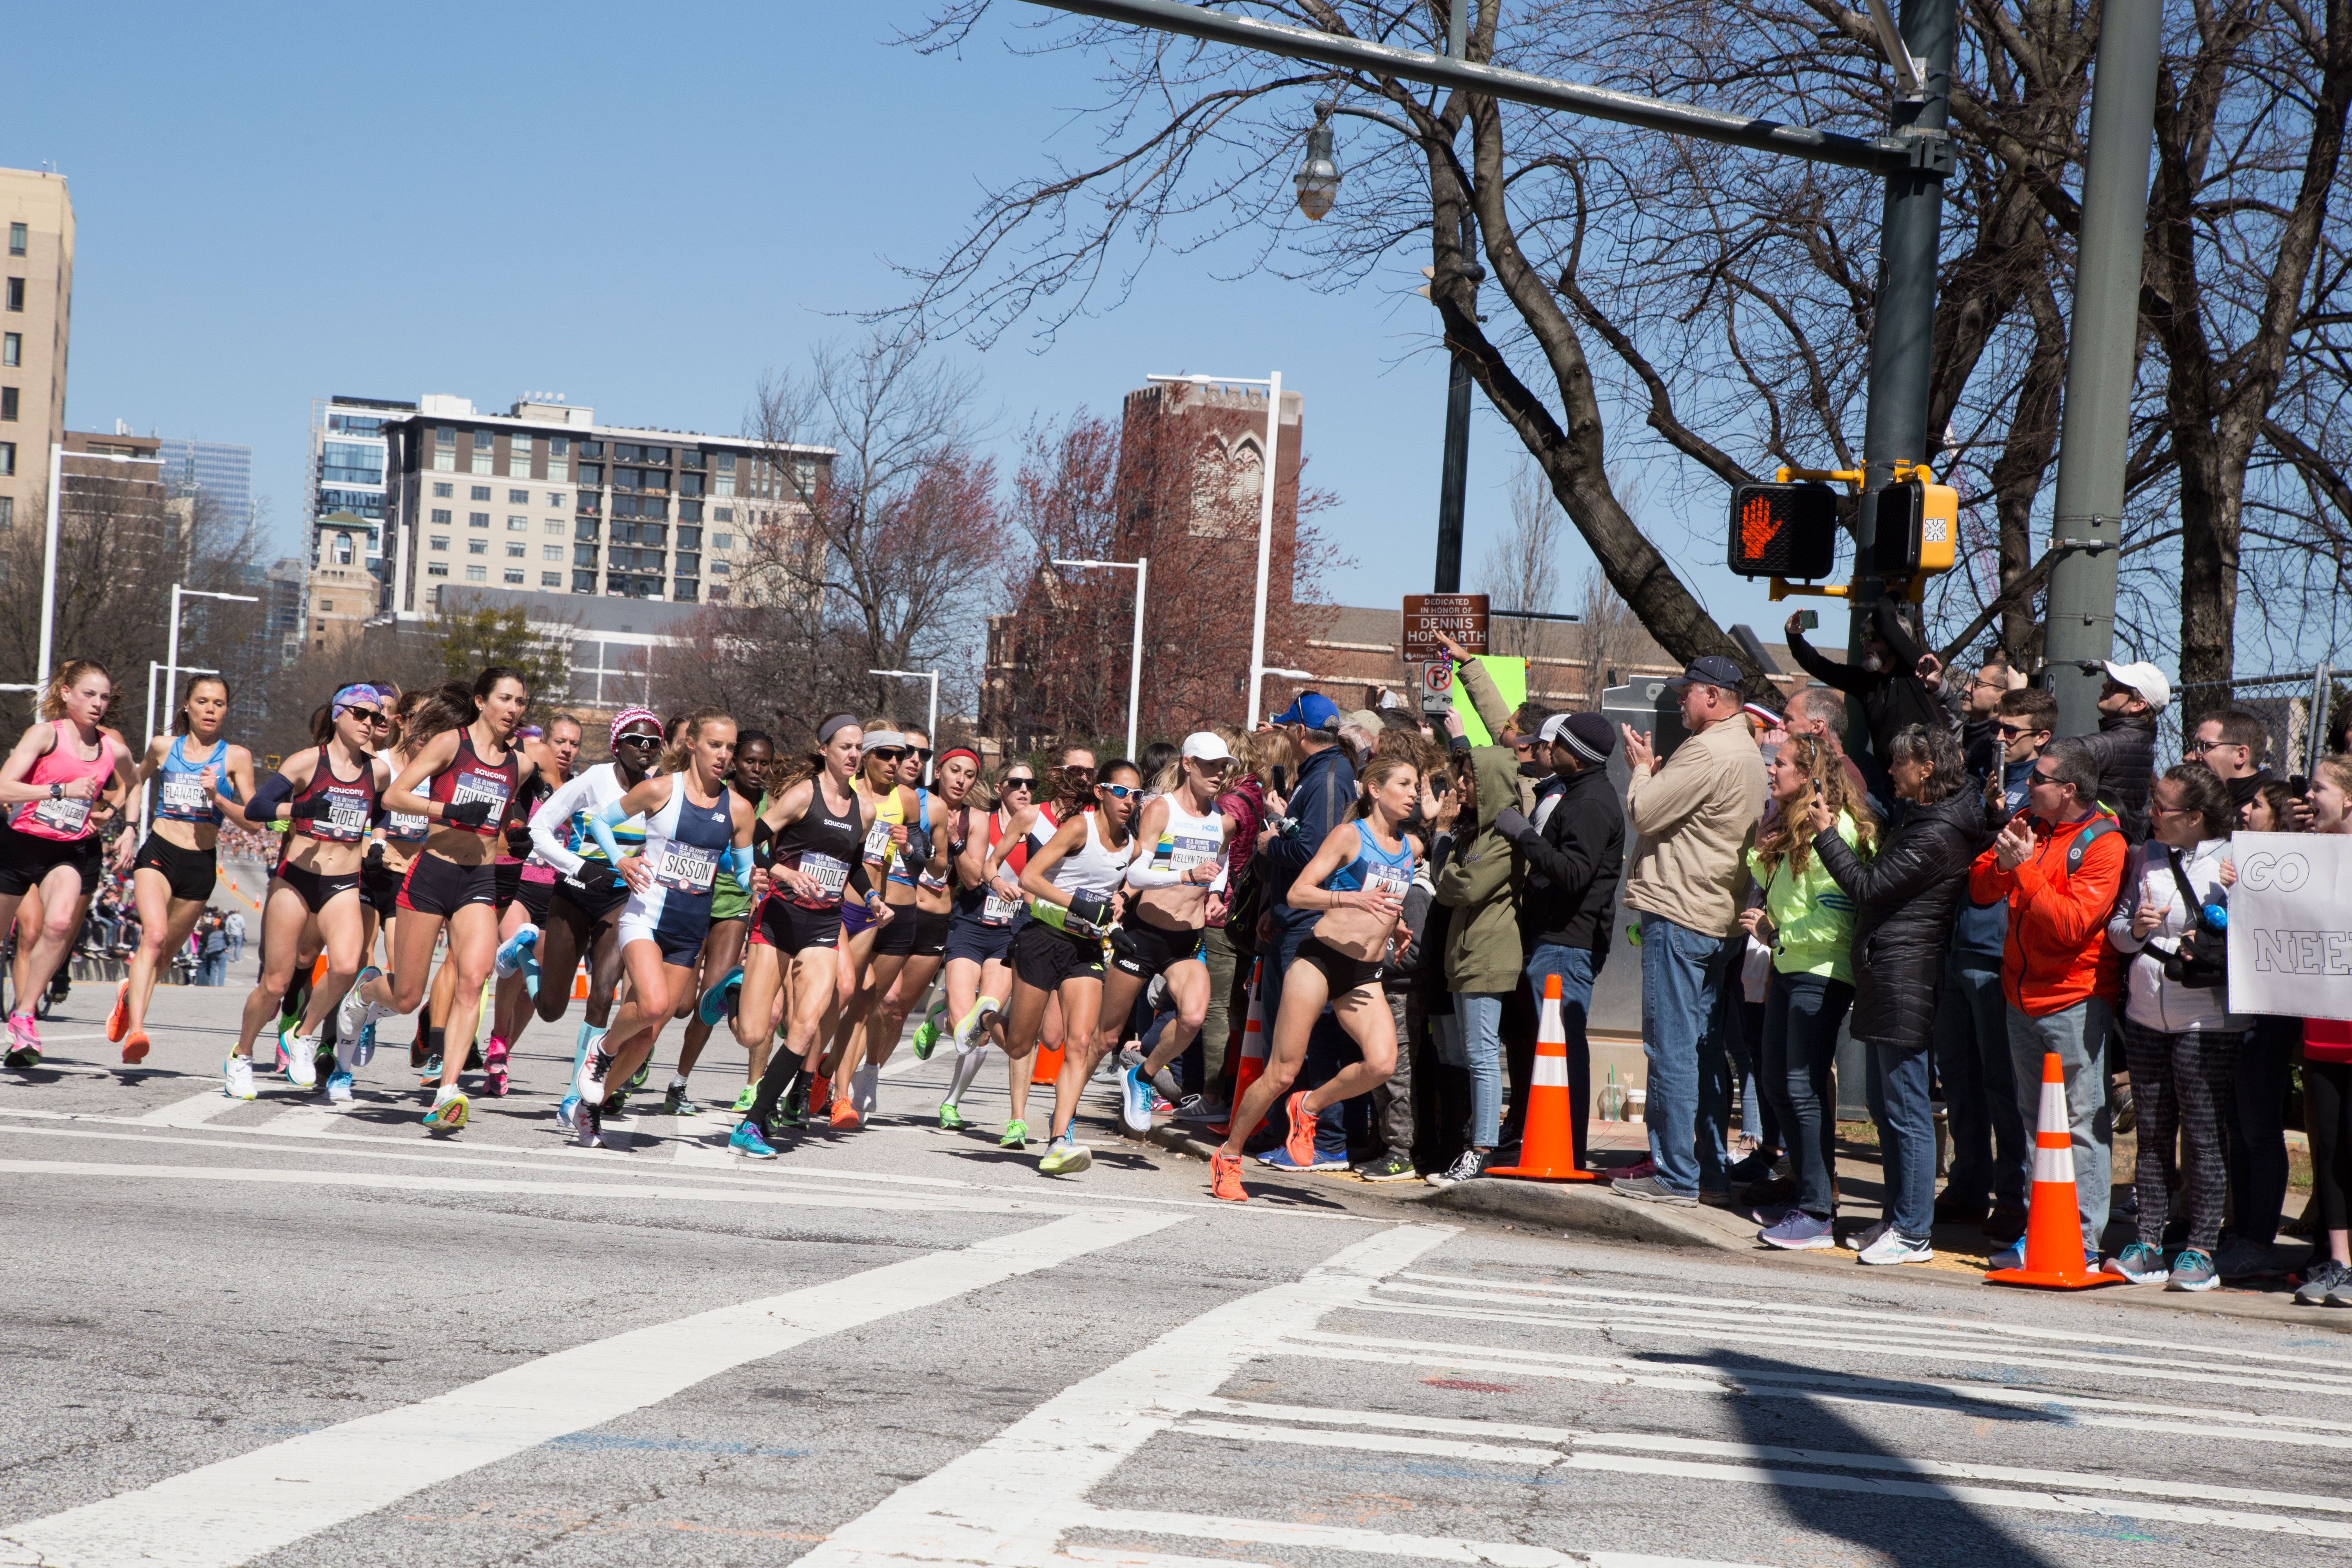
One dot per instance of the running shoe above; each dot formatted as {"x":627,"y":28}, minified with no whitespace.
{"x":2140,"y":1263}
{"x":677,"y":1102}
{"x":365,"y":1052}
{"x":2241,"y":1259}
{"x":927,"y":1033}
{"x":588,"y":1125}
{"x":567,"y":1111}
{"x":1280,"y":1160}
{"x":24,"y":1034}
{"x":719,"y":1000}
{"x":134,"y":1047}
{"x":450,"y":1108}
{"x":820,"y":1094}
{"x":237,"y":1078}
{"x":1300,"y":1143}
{"x":1799,"y":1232}
{"x":1201,"y":1108}
{"x":354,"y":1013}
{"x":429,"y":1075}
{"x":514,"y":950}
{"x":117,"y":1022}
{"x":844,"y":1117}
{"x":2321,"y":1276}
{"x":1066,"y":1156}
{"x":744,"y":1096}
{"x":24,"y":1058}
{"x":796,"y":1103}
{"x":1893,"y":1246}
{"x":616,"y":1103}
{"x":1389,"y":1167}
{"x":494,"y":1067}
{"x":644,"y":1070}
{"x":1225,"y":1178}
{"x":1134,"y":1101}
{"x":1016,"y":1135}
{"x":1863,"y":1240}
{"x":749,"y":1142}
{"x":338,"y":1087}
{"x":589,"y":1082}
{"x":2193,"y":1270}
{"x":1468,"y":1166}
{"x":951,"y":1119}
{"x":298,"y":1055}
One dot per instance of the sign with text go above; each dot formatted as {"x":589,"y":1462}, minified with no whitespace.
{"x":1462,"y":616}
{"x":2291,"y":924}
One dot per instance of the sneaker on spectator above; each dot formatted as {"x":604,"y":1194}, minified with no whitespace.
{"x":1468,"y":1168}
{"x":1636,"y":1171}
{"x":1799,"y":1232}
{"x":2341,"y":1293}
{"x":2141,"y":1264}
{"x":2009,"y":1257}
{"x":1860,"y":1241}
{"x":2320,"y":1277}
{"x":1279,"y":1158}
{"x":1389,"y":1167}
{"x":2243,"y":1259}
{"x":1201,"y":1108}
{"x":1893,"y":1246}
{"x":2193,"y":1270}
{"x":1650,"y":1190}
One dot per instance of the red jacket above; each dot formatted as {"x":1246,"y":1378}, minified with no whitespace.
{"x":2056,"y":952}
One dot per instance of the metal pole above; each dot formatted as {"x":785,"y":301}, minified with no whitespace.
{"x":149,"y":733}
{"x":2102,"y":352}
{"x":1264,"y":547}
{"x":2314,"y":735}
{"x":49,"y":566}
{"x":1454,"y":474}
{"x":1135,"y":661}
{"x":930,"y":776}
{"x":172,"y":657}
{"x":1457,"y":29}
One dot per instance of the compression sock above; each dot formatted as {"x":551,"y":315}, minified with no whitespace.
{"x":967,"y":1067}
{"x":862,"y":1084}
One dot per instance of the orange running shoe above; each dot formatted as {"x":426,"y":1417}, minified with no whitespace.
{"x":1301,"y":1144}
{"x":118,"y":1023}
{"x":844,"y":1114}
{"x":820,"y":1093}
{"x":134,"y":1047}
{"x":1225,"y":1178}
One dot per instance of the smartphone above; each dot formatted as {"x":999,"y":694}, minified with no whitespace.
{"x":1809,"y":620}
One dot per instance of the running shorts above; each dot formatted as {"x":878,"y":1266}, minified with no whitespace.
{"x":596,"y":896}
{"x":789,"y":928}
{"x":1043,"y":957}
{"x":1144,"y":950}
{"x":898,"y":936}
{"x":379,"y":886}
{"x":509,"y":883}
{"x":930,"y":932}
{"x":1342,"y":972}
{"x":438,"y":887}
{"x":190,"y":872}
{"x":678,"y":928}
{"x":317,"y":891}
{"x":977,"y":941}
{"x":27,"y":857}
{"x":534,"y":896}
{"x":728,"y":902}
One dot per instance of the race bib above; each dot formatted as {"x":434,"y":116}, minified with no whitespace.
{"x":688,"y":868}
{"x":184,"y":796}
{"x":1389,"y":883}
{"x":831,"y":875}
{"x":877,"y":841}
{"x":70,"y":817}
{"x":491,"y":787}
{"x":1186,"y":851}
{"x":997,"y":911}
{"x":404,"y":825}
{"x":346,"y":817}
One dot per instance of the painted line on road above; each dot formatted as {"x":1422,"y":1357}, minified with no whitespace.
{"x":240,"y":1509}
{"x":1341,"y":1538}
{"x":193,"y":1112}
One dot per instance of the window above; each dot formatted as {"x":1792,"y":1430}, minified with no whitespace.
{"x":689,"y":512}
{"x":685,"y":590}
{"x":516,"y":551}
{"x":443,"y":489}
{"x":478,"y":519}
{"x":583,"y":528}
{"x":722,"y":514}
{"x":559,"y":445}
{"x":7,"y":458}
{"x":518,"y":498}
{"x":719,"y":593}
{"x":550,"y":579}
{"x":590,"y":502}
{"x":327,"y":605}
{"x":15,"y":239}
{"x":477,"y":547}
{"x":554,"y":525}
{"x":514,"y":578}
{"x":519,"y":460}
{"x":440,"y":542}
{"x":591,"y":448}
{"x":583,"y":582}
{"x":720,"y":569}
{"x":483,"y":441}
{"x":694,"y":460}
{"x":15,"y":293}
{"x":518,"y":524}
{"x":7,"y":517}
{"x":342,"y":549}
{"x":351,"y":463}
{"x":690,"y":566}
{"x":592,"y":473}
{"x":550,"y":552}
{"x":722,"y":540}
{"x":584,"y":555}
{"x":436,"y":569}
{"x":481,"y":492}
{"x":12,"y":348}
{"x":689,"y":538}
{"x":441,"y":515}
{"x":477,"y":573}
{"x":555,"y":499}
{"x":7,"y":403}
{"x":690,"y":484}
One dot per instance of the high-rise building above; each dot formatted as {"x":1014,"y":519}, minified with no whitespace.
{"x":36,"y":321}
{"x":543,"y":498}
{"x":347,"y":472}
{"x":221,"y":473}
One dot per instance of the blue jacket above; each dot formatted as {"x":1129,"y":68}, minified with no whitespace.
{"x":1982,"y":929}
{"x":1320,"y":797}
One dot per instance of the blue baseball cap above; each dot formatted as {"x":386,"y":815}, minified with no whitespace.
{"x":1709,"y":670}
{"x":1313,"y":709}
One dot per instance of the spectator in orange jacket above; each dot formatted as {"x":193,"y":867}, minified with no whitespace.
{"x":2060,"y":864}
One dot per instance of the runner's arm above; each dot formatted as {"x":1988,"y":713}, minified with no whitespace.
{"x":552,"y":812}
{"x":438,"y":754}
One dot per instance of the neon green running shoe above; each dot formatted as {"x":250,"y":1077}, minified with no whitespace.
{"x":1016,"y":1136}
{"x":1065,"y":1157}
{"x":743,"y":1100}
{"x":927,"y":1033}
{"x":951,"y":1119}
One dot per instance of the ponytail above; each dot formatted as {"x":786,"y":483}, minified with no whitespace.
{"x":68,"y":676}
{"x":449,"y":706}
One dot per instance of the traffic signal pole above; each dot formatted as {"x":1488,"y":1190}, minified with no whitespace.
{"x":1454,"y":477}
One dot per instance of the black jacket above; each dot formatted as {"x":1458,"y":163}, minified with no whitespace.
{"x":1892,"y":698}
{"x":1319,"y":798}
{"x":1906,"y":901}
{"x":2126,"y":749}
{"x":1573,"y":864}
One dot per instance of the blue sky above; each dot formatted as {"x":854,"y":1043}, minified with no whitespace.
{"x":644,"y":209}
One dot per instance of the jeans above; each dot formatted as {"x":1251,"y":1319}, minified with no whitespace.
{"x":1801,"y":1015}
{"x":1897,"y":1090}
{"x":1216,"y":1025}
{"x":2078,"y":1036}
{"x":1326,"y":1047}
{"x":1480,"y":1032}
{"x":213,"y":969}
{"x":2254,"y":1119}
{"x":1991,"y":1146}
{"x":1575,"y":968}
{"x":1683,"y":976}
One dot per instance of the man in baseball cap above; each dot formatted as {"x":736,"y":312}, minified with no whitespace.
{"x":2125,"y":747}
{"x":1311,"y":711}
{"x":1709,"y":670}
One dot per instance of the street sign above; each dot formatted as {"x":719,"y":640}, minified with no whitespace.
{"x":1437,"y":676}
{"x":1462,"y":616}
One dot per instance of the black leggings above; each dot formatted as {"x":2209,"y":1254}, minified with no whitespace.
{"x":2255,"y":1121}
{"x":2178,"y":1081}
{"x":2327,"y":1117}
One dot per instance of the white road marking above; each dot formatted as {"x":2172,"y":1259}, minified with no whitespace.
{"x":1278,"y":1532}
{"x":241,"y":1509}
{"x":193,"y":1112}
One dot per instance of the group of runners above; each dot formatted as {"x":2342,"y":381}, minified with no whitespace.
{"x":807,"y":903}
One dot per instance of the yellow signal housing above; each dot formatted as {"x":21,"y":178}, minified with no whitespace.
{"x":1939,"y":526}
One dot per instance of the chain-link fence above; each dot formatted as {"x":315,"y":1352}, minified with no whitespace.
{"x":2286,"y":704}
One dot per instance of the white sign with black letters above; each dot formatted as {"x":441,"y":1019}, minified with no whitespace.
{"x":2291,"y":924}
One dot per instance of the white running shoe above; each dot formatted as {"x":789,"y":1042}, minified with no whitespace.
{"x":354,"y":1013}
{"x":864,"y":1084}
{"x":298,"y":1054}
{"x":589,"y":1083}
{"x":237,"y":1078}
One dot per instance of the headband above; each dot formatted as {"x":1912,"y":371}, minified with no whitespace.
{"x":359,"y":696}
{"x":835,"y":726}
{"x":941,"y":759}
{"x":628,"y":716}
{"x":881,"y":738}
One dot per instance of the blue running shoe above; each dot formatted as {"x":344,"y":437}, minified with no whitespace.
{"x":748,"y":1141}
{"x":1135,"y":1100}
{"x":1281,"y":1161}
{"x":365,"y":1052}
{"x":567,"y":1111}
{"x":719,"y":1000}
{"x":511,"y":950}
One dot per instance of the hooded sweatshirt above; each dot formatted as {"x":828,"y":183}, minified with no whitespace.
{"x":1481,"y":885}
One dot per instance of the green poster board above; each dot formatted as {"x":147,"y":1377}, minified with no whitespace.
{"x":1510,"y":678}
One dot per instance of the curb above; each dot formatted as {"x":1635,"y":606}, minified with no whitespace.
{"x":1582,"y":1208}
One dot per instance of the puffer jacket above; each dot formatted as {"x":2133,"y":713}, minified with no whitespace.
{"x":2125,"y":748}
{"x":1481,"y":885}
{"x":1906,"y":901}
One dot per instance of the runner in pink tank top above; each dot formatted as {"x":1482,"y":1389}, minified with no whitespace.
{"x":65,"y":816}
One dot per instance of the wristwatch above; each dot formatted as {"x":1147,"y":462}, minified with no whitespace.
{"x":57,"y":792}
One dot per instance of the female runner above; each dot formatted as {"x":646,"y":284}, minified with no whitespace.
{"x":980,"y":934}
{"x":174,"y":877}
{"x":890,"y":806}
{"x":693,"y":823}
{"x":327,"y":795}
{"x":941,"y":810}
{"x":463,"y":753}
{"x":400,"y":838}
{"x":722,"y":949}
{"x":1359,"y":878}
{"x":50,"y":855}
{"x":553,"y":748}
{"x":1074,"y":885}
{"x":583,"y":913}
{"x":914,"y":856}
{"x":818,"y":825}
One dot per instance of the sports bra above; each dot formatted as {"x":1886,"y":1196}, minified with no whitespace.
{"x":1374,"y":867}
{"x":468,"y":777}
{"x":905,"y":868}
{"x":180,"y":784}
{"x":823,"y":842}
{"x":1091,"y":869}
{"x":63,"y":820}
{"x":685,"y":843}
{"x":351,"y":804}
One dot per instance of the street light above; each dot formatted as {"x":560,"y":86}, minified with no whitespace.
{"x":1319,"y":177}
{"x":49,"y":546}
{"x":172,"y":652}
{"x":152,"y":668}
{"x":1141,"y":567}
{"x":933,"y":677}
{"x":1272,"y":385}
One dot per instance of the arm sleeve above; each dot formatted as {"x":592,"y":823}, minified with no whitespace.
{"x":601,"y":823}
{"x":1486,"y":699}
{"x":739,"y":864}
{"x":263,"y":806}
{"x":1829,"y":672}
{"x":859,"y":882}
{"x":552,"y":812}
{"x":1144,"y":874}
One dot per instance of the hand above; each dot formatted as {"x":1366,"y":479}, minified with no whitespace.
{"x":1449,"y":808}
{"x":467,"y":812}
{"x":633,"y":868}
{"x":1276,"y":805}
{"x":2148,"y":916}
{"x":1452,"y":724}
{"x":124,"y":853}
{"x":1816,"y":815}
{"x":1006,"y":888}
{"x":83,"y":789}
{"x":1638,"y":755}
{"x":2300,"y":809}
{"x":208,"y":780}
{"x":1203,"y":874}
{"x":883,"y":913}
{"x":1758,"y":924}
{"x":306,"y":808}
{"x":898,"y":836}
{"x":1090,"y":909}
{"x":1510,"y":822}
{"x":1374,"y":901}
{"x":1454,"y":650}
{"x":1931,"y":670}
{"x":1794,"y":628}
{"x":1216,"y":908}
{"x":2015,"y":844}
{"x":761,"y":883}
{"x":2229,"y":873}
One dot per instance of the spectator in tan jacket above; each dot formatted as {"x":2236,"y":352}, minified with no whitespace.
{"x":1686,"y":879}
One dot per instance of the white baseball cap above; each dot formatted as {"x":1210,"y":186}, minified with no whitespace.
{"x":1203,"y":746}
{"x":2144,"y":679}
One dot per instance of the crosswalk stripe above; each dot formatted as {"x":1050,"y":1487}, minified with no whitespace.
{"x":240,"y":1509}
{"x":193,"y":1111}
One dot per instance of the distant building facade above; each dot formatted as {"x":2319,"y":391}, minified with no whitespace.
{"x":218,"y":471}
{"x":36,"y":262}
{"x":347,"y":474}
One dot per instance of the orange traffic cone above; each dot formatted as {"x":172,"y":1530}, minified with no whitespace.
{"x":2053,"y":1223}
{"x":580,"y":984}
{"x":1049,"y":1065}
{"x":1548,"y":1145}
{"x":1253,"y":1061}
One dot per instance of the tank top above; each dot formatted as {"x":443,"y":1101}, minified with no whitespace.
{"x":685,"y":843}
{"x":351,"y":804}
{"x":180,"y":793}
{"x":1374,"y":867}
{"x":1091,"y":869}
{"x":904,"y":869}
{"x":406,"y":827}
{"x":1188,"y":841}
{"x":64,"y":820}
{"x":823,"y":842}
{"x":602,"y":786}
{"x":468,"y":777}
{"x":887,"y":814}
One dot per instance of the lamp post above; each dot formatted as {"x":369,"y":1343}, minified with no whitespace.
{"x":1141,"y":567}
{"x":152,"y":670}
{"x":933,"y":677}
{"x":172,"y":651}
{"x":1272,"y":385}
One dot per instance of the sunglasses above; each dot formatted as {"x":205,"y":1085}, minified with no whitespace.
{"x":1022,"y":783}
{"x":922,"y":754}
{"x":2051,"y":779}
{"x":1119,"y":792}
{"x":2012,"y":732}
{"x":374,"y":717}
{"x":888,"y":754}
{"x":647,"y":742}
{"x":2201,"y":747}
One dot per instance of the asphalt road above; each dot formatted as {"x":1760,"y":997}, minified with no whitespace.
{"x":274,"y":1333}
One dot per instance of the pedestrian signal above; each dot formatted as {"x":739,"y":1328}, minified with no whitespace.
{"x":1916,"y":528}
{"x":1784,"y":530}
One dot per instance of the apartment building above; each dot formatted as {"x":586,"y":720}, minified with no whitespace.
{"x":36,"y":322}
{"x":545,"y":499}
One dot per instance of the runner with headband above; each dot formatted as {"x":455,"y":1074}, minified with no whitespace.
{"x":815,"y":822}
{"x":720,"y":974}
{"x":200,"y":778}
{"x":942,"y":811}
{"x":583,"y":912}
{"x":50,"y":854}
{"x":327,"y":795}
{"x":978,"y":974}
{"x":515,"y":971}
{"x":887,"y":804}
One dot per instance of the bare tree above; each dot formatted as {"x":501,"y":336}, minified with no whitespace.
{"x":1609,"y":639}
{"x":1521,"y":571}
